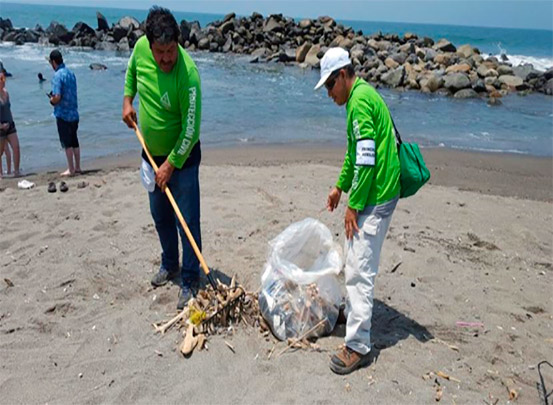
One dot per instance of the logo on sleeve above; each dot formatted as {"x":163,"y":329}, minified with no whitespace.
{"x":356,"y":131}
{"x":165,"y":101}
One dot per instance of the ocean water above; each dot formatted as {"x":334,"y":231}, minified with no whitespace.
{"x":265,"y":104}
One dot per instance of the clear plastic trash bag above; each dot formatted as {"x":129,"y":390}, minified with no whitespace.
{"x":299,"y":286}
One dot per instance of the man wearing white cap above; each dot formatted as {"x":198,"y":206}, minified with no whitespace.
{"x":370,"y":174}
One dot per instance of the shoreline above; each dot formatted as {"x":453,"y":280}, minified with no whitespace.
{"x":501,"y":174}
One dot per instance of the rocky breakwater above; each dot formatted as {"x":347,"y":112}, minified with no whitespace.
{"x":401,"y":62}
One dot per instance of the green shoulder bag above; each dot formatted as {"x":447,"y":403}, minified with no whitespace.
{"x":413,"y":171}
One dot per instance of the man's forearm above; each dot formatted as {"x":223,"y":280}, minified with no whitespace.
{"x":127,"y":100}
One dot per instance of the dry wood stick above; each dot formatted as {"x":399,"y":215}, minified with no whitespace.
{"x":293,"y":342}
{"x":163,"y":328}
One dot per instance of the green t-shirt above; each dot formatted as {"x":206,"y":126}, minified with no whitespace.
{"x":170,"y":103}
{"x":371,"y":164}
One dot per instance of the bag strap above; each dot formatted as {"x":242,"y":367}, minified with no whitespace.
{"x":398,"y":136}
{"x":396,"y":132}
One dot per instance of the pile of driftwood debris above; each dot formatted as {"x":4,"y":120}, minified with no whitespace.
{"x":212,"y":312}
{"x":216,"y":311}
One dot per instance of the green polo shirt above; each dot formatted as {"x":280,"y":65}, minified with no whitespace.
{"x":370,"y":172}
{"x":169,"y":103}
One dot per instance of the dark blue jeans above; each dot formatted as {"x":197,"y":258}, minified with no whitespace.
{"x":185,"y":187}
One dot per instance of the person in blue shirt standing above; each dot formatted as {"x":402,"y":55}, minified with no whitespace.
{"x":64,"y":99}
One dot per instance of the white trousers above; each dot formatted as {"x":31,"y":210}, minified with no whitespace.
{"x":362,"y":259}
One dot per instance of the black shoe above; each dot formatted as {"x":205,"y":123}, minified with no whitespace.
{"x":162,"y":277}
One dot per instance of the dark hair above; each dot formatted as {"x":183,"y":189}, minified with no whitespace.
{"x":161,"y":26}
{"x":350,"y":70}
{"x":55,"y":56}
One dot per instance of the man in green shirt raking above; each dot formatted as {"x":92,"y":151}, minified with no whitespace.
{"x":370,"y":174}
{"x":168,"y":85}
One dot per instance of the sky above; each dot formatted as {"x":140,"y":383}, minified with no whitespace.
{"x":536,"y":14}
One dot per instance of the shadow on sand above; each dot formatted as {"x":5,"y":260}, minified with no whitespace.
{"x":389,"y":327}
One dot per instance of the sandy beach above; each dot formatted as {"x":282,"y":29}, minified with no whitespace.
{"x":475,"y":245}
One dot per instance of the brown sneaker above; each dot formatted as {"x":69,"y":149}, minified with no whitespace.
{"x":345,"y":360}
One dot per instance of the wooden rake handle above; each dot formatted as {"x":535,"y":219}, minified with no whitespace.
{"x":177,"y":211}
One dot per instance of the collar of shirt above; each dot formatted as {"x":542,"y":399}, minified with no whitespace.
{"x":60,"y":66}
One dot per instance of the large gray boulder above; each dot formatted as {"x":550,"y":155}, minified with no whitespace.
{"x":444,"y":45}
{"x":261,"y":53}
{"x":390,"y":63}
{"x":429,"y":54}
{"x":301,"y":52}
{"x":394,"y":78}
{"x":510,"y":80}
{"x":399,"y":57}
{"x":229,"y":16}
{"x":273,"y":25}
{"x":56,"y":29}
{"x":119,"y":32}
{"x":227,"y":26}
{"x":184,"y":28}
{"x":31,"y":36}
{"x":228,"y":45}
{"x":287,"y":55}
{"x":525,"y":72}
{"x":312,"y":58}
{"x":6,"y":24}
{"x":327,"y":21}
{"x":357,"y":53}
{"x":504,"y":70}
{"x":432,"y":82}
{"x":204,"y":43}
{"x":346,"y":43}
{"x":129,"y":23}
{"x":196,"y":33}
{"x":97,"y":66}
{"x":466,"y":51}
{"x":336,"y":41}
{"x":548,"y":87}
{"x":466,"y":93}
{"x":102,"y":22}
{"x":484,"y":71}
{"x":123,"y":45}
{"x":82,"y":29}
{"x":479,"y":86}
{"x":305,"y":24}
{"x":456,"y":81}
{"x":58,"y":33}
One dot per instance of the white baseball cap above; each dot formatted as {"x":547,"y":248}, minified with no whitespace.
{"x":333,"y":59}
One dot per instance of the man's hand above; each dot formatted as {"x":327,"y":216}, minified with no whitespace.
{"x":129,"y":113}
{"x":5,"y":126}
{"x":163,"y":175}
{"x":55,"y":98}
{"x":350,"y":223}
{"x":333,"y":199}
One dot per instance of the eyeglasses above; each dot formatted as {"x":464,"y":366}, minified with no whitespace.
{"x":331,"y":81}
